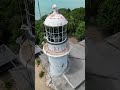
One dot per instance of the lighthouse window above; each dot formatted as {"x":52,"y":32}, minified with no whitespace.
{"x":60,"y":29}
{"x":55,"y":29}
{"x":56,"y":34}
{"x":51,"y":30}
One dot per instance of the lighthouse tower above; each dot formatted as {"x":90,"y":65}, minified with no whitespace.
{"x":57,"y":48}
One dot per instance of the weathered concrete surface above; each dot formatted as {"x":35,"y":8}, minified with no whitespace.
{"x":74,"y":78}
{"x":6,"y":55}
{"x":82,"y":43}
{"x":78,"y":51}
{"x":76,"y":74}
{"x":22,"y":75}
{"x":44,"y":61}
{"x":103,"y":58}
{"x":27,"y":54}
{"x":114,"y":40}
{"x":81,"y":86}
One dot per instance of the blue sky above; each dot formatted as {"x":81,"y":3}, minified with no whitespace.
{"x":45,"y":5}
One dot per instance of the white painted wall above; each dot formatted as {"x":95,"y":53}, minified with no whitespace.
{"x":57,"y":65}
{"x":57,"y":48}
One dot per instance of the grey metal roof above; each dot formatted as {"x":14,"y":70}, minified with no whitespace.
{"x":23,"y":78}
{"x":6,"y":55}
{"x":114,"y":40}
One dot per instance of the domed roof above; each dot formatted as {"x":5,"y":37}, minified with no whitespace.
{"x":55,"y":19}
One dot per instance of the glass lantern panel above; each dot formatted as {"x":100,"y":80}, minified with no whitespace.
{"x":51,"y":29}
{"x":55,"y":29}
{"x":60,"y":29}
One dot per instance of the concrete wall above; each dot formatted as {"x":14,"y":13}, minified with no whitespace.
{"x":57,"y":65}
{"x":57,"y":48}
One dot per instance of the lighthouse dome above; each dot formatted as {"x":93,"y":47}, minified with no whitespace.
{"x":55,"y":19}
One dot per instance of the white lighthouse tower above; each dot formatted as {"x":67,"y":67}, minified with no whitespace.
{"x":57,"y":48}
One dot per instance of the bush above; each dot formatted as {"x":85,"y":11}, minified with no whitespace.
{"x":8,"y":85}
{"x":109,"y":15}
{"x":38,"y":62}
{"x":41,"y":74}
{"x":80,"y":31}
{"x":39,"y":32}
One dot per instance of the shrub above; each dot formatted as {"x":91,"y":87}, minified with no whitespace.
{"x":38,"y":62}
{"x":8,"y":84}
{"x":41,"y":74}
{"x":109,"y":15}
{"x":80,"y":31}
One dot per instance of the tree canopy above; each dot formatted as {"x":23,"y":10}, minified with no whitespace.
{"x":109,"y":15}
{"x":12,"y":14}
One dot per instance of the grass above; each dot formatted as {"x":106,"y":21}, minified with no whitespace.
{"x":8,"y":85}
{"x":38,"y":61}
{"x":41,"y":74}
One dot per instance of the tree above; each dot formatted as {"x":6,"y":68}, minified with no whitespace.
{"x":39,"y":32}
{"x":11,"y":20}
{"x":71,"y":26}
{"x":109,"y":15}
{"x":78,"y":14}
{"x":80,"y":31}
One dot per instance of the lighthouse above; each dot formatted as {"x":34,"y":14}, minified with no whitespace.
{"x":57,"y":48}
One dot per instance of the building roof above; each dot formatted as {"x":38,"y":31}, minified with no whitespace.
{"x":23,"y":77}
{"x":105,"y":57}
{"x":37,"y":49}
{"x":6,"y":55}
{"x":55,"y":19}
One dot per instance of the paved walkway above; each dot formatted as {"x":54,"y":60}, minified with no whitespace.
{"x":103,"y":63}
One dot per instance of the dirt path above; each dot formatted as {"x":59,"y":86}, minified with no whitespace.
{"x":73,"y":40}
{"x":40,"y":82}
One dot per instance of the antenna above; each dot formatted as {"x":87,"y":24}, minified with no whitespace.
{"x":39,"y":8}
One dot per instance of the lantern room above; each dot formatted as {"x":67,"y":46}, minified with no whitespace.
{"x":55,"y":27}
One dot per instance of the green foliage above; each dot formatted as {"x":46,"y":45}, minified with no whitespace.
{"x":38,"y":62}
{"x":41,"y":74}
{"x":39,"y":32}
{"x":78,"y":14}
{"x":10,"y":21}
{"x":109,"y":15}
{"x":80,"y":31}
{"x":65,"y":12}
{"x":73,"y":17}
{"x":8,"y":85}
